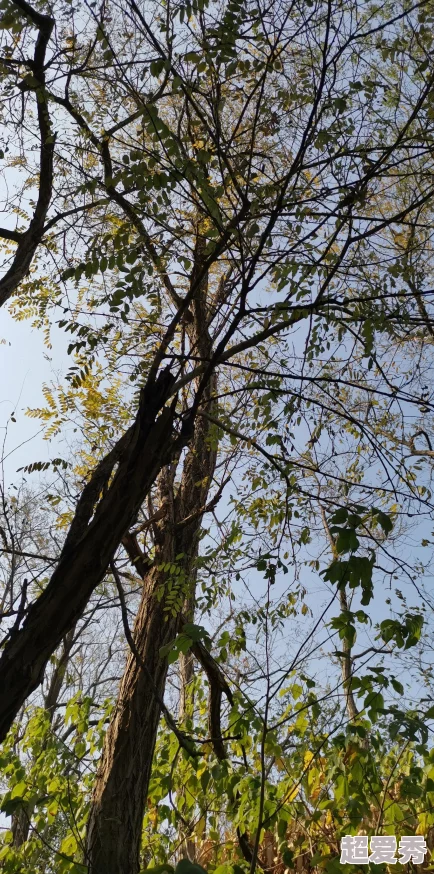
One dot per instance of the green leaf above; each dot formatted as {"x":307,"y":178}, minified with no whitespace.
{"x":159,"y":869}
{"x":339,"y":516}
{"x":194,"y":57}
{"x":187,"y":867}
{"x":384,"y":520}
{"x":19,"y":790}
{"x":347,"y":540}
{"x":397,"y":686}
{"x":157,"y":67}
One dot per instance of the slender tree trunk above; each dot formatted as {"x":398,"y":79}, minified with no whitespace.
{"x":116,"y":816}
{"x":347,"y":664}
{"x":186,"y":676}
{"x":186,"y":671}
{"x":58,"y":675}
{"x":187,"y":845}
{"x":346,"y":658}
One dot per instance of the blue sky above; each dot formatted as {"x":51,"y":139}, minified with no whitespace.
{"x":25,"y":364}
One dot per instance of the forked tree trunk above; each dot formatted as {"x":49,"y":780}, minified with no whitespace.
{"x":116,"y":817}
{"x":99,"y":524}
{"x":118,"y":805}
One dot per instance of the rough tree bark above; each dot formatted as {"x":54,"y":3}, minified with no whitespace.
{"x":97,"y":529}
{"x":116,"y":816}
{"x":105,"y":511}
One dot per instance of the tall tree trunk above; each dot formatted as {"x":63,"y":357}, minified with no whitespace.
{"x":116,"y":816}
{"x":20,"y":826}
{"x":115,"y":822}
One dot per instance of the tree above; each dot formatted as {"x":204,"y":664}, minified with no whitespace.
{"x":115,"y":821}
{"x":213,"y":182}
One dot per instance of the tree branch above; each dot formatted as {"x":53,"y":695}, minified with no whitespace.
{"x":29,"y":241}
